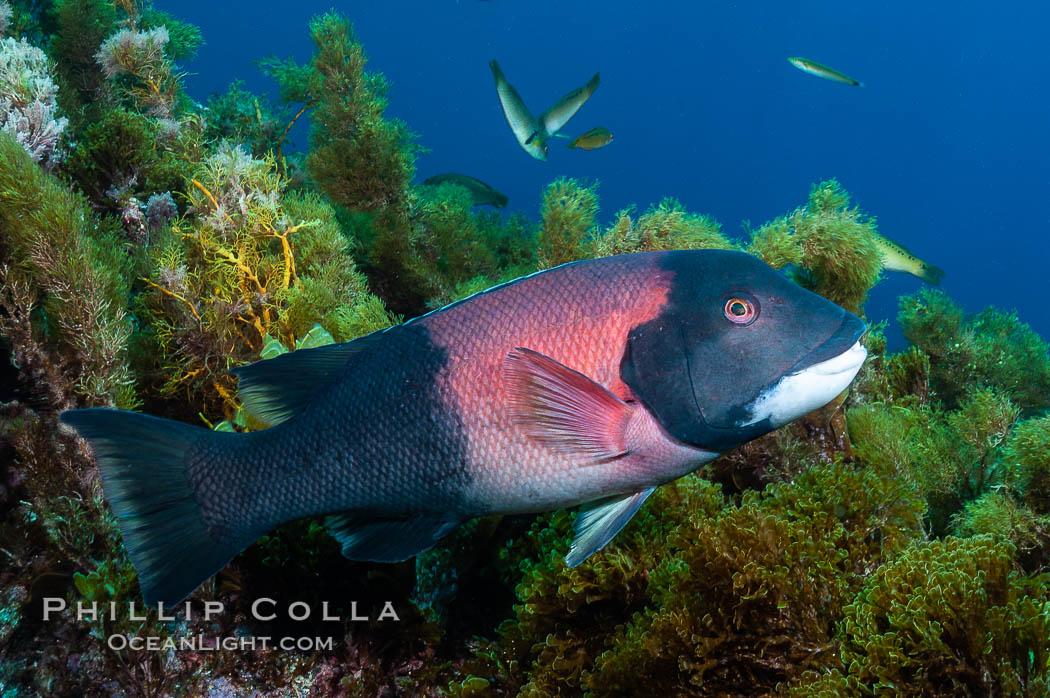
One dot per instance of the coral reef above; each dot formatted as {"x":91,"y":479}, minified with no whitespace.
{"x":894,"y":542}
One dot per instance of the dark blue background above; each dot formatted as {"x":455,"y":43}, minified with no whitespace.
{"x":946,"y":144}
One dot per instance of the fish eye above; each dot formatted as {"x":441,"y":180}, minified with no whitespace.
{"x":740,"y":311}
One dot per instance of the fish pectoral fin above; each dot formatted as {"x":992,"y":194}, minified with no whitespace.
{"x":276,"y":389}
{"x":598,"y":523}
{"x":531,"y":138}
{"x":563,"y":408}
{"x":386,"y":540}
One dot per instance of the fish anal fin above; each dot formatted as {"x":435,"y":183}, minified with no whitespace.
{"x":563,"y":408}
{"x":386,"y":540}
{"x":276,"y":389}
{"x":598,"y":523}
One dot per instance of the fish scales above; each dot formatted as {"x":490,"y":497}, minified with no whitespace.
{"x":588,"y":384}
{"x":568,"y":314}
{"x":381,"y":439}
{"x":434,"y":433}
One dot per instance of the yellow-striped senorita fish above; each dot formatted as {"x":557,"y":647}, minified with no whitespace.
{"x":822,"y":71}
{"x":532,"y":133}
{"x":896,"y":257}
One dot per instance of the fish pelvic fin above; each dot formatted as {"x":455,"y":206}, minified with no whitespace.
{"x":386,"y":540}
{"x":143,"y":462}
{"x":565,"y":409}
{"x":598,"y":523}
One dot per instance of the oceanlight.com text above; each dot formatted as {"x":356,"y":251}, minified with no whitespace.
{"x":202,"y":643}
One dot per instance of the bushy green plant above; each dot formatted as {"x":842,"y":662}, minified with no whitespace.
{"x":950,"y":618}
{"x":241,"y":117}
{"x":184,"y":39}
{"x":566,"y":616}
{"x":951,"y":458}
{"x":992,"y":349}
{"x":251,"y":264}
{"x":710,"y":590}
{"x":63,"y":285}
{"x":830,"y":246}
{"x":360,"y":159}
{"x":665,"y":226}
{"x":1028,"y":460}
{"x":997,"y":513}
{"x":766,"y":579}
{"x":80,"y":28}
{"x":124,"y":155}
{"x":901,"y":378}
{"x":569,"y":213}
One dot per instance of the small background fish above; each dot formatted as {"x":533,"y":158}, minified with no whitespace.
{"x":896,"y":257}
{"x":595,"y":138}
{"x":480,"y":193}
{"x":822,"y":71}
{"x":532,"y":133}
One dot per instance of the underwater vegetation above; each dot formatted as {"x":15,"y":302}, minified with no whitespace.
{"x":896,"y":542}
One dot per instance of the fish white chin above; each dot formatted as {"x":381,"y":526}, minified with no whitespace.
{"x":800,"y":393}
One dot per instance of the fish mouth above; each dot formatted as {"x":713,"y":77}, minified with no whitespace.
{"x":848,"y":361}
{"x":822,"y":376}
{"x":844,"y":338}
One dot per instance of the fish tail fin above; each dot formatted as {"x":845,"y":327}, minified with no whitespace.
{"x":497,"y":73}
{"x":931,"y":274}
{"x":144,"y":465}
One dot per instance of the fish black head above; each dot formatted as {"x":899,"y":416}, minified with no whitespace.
{"x":738,"y":350}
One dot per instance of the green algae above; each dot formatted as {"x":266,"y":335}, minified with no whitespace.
{"x":829,"y":245}
{"x":892,"y":543}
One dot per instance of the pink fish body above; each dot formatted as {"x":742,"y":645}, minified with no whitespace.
{"x":588,"y":384}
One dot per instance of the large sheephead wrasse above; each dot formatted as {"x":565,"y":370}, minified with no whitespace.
{"x":588,"y":384}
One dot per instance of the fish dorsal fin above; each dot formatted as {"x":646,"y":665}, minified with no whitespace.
{"x":276,"y":389}
{"x":563,"y":408}
{"x":559,"y":114}
{"x":386,"y":540}
{"x":598,"y":523}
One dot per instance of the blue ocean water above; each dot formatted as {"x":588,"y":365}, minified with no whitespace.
{"x":946,"y":143}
